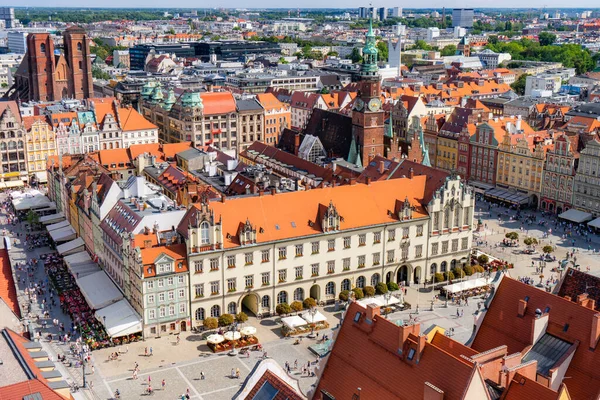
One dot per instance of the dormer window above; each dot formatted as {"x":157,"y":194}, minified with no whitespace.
{"x":411,"y":354}
{"x":204,"y":233}
{"x":247,"y":233}
{"x":406,"y":212}
{"x":331,"y":219}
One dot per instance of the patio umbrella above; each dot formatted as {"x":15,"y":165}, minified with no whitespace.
{"x":215,"y":339}
{"x":232,"y":335}
{"x":248,"y":330}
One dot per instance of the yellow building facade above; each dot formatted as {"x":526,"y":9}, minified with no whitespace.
{"x":40,"y":144}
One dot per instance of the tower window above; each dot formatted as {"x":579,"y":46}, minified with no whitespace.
{"x":78,"y":46}
{"x":80,"y":64}
{"x":43,"y":48}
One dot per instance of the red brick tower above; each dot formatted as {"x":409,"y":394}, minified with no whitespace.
{"x":368,"y":116}
{"x":77,"y":55}
{"x":40,"y":57}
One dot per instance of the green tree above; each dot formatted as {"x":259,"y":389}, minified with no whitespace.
{"x":333,"y":54}
{"x":421,"y":45}
{"x":241,"y":317}
{"x":344,"y":295}
{"x":483,"y":259}
{"x":309,"y":302}
{"x":369,"y":291}
{"x":355,"y":55}
{"x":512,"y":236}
{"x":296,"y":305}
{"x":492,"y":39}
{"x":393,"y":286}
{"x":283,"y":309}
{"x":100,"y":74}
{"x":382,"y":47}
{"x":358,"y":293}
{"x":381,"y":288}
{"x":226,"y":319}
{"x":33,"y":219}
{"x":210,"y":323}
{"x":519,"y":85}
{"x":546,"y":38}
{"x":449,"y":50}
{"x":548,"y":249}
{"x":530,"y":241}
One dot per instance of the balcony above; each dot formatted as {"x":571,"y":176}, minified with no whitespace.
{"x":209,"y":247}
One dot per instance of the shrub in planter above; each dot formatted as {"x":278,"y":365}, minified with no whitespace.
{"x":381,"y":288}
{"x":344,"y":295}
{"x":210,"y":323}
{"x":296,"y":306}
{"x":439,"y":277}
{"x":448,"y":275}
{"x":358,"y":293}
{"x":241,"y":317}
{"x":458,"y":272}
{"x":309,"y":302}
{"x":469,"y":270}
{"x":483,"y":259}
{"x":283,"y":308}
{"x":393,"y":286}
{"x":369,"y":291}
{"x":479,"y":269}
{"x":226,"y":319}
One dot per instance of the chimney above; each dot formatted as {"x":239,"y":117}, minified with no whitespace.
{"x":368,"y":180}
{"x":406,"y":330}
{"x":223,"y":198}
{"x":518,"y":124}
{"x":381,"y":168}
{"x":522,"y":307}
{"x":411,"y":173}
{"x":372,"y":312}
{"x":273,"y":191}
{"x":595,"y":333}
{"x":582,"y":299}
{"x":296,"y":143}
{"x":261,"y":192}
{"x":352,"y":180}
{"x":509,"y":128}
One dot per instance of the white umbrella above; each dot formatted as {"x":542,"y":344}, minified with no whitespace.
{"x":215,"y":339}
{"x":248,"y":330}
{"x":232,"y":335}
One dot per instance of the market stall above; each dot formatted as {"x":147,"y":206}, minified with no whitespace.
{"x":57,"y":225}
{"x":296,"y":325}
{"x":120,"y":320}
{"x":379,"y":301}
{"x":99,"y":290}
{"x":576,"y":216}
{"x":72,"y":247}
{"x":63,"y":234}
{"x":52,"y":218}
{"x":468,"y":288}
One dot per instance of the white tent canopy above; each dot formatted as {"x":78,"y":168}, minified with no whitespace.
{"x":311,"y":319}
{"x":378,"y":301}
{"x":576,"y":216}
{"x":595,"y":223}
{"x":293,"y":322}
{"x":466,"y":285}
{"x":99,"y":290}
{"x":78,"y":258}
{"x":71,"y":247}
{"x":63,"y":234}
{"x":81,"y":265}
{"x":53,"y":218}
{"x":58,"y":225}
{"x":28,"y":203}
{"x":121,"y":319}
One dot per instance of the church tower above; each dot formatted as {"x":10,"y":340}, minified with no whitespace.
{"x":367,"y":115}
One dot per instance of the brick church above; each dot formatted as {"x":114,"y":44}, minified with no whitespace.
{"x":46,"y":74}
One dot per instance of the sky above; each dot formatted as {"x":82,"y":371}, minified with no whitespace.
{"x":549,"y":4}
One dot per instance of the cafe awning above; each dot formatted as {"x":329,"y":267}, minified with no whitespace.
{"x":120,"y":319}
{"x":378,"y":301}
{"x":58,"y":225}
{"x":63,"y":234}
{"x":52,"y":219}
{"x":29,"y":203}
{"x":311,"y":319}
{"x":508,"y":196}
{"x":293,"y":322}
{"x":595,"y":223}
{"x":576,"y":216}
{"x":466,"y":285}
{"x":99,"y":290}
{"x":11,"y":184}
{"x":74,"y":246}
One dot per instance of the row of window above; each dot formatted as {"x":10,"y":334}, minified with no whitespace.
{"x":170,"y":295}
{"x":164,"y":311}
{"x":168,"y":281}
{"x":463,"y":246}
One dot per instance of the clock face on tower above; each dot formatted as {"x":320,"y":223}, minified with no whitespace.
{"x":359,"y":104}
{"x":374,"y":105}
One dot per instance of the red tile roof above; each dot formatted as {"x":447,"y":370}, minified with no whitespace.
{"x":14,"y":108}
{"x":29,"y":121}
{"x":371,"y":355}
{"x":29,"y":387}
{"x":567,"y":320}
{"x":176,"y":251}
{"x":522,"y":388}
{"x":131,"y":120}
{"x":218,"y":103}
{"x":8,"y":292}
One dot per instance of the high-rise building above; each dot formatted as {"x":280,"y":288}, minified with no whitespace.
{"x":7,"y":14}
{"x":382,"y":13}
{"x":17,"y":42}
{"x":46,"y":76}
{"x":363,"y":12}
{"x":463,"y":17}
{"x":397,"y":12}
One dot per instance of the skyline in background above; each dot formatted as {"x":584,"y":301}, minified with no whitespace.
{"x":315,"y":4}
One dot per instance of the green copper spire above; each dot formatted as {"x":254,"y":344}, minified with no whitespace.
{"x":369,"y":65}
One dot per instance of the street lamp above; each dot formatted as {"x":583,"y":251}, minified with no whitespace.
{"x":387,"y":296}
{"x":312,"y":312}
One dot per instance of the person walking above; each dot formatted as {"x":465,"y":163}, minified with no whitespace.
{"x":150,"y":350}
{"x":237,"y":373}
{"x":202,"y":376}
{"x":163,"y":384}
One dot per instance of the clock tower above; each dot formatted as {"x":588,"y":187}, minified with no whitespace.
{"x":367,"y":115}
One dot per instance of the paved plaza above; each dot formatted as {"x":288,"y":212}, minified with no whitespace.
{"x":181,"y":365}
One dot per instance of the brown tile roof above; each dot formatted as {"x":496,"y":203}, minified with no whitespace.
{"x":114,"y":156}
{"x":8,"y":292}
{"x":567,"y":320}
{"x":287,"y":215}
{"x":218,"y":103}
{"x":522,"y":388}
{"x":176,"y":251}
{"x":29,"y":121}
{"x":372,"y":356}
{"x":14,"y":108}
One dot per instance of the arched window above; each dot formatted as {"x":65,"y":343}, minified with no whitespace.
{"x":200,"y":314}
{"x":345,"y":284}
{"x":43,"y":48}
{"x":444,"y":266}
{"x":12,"y":145}
{"x":78,"y":46}
{"x":2,"y":146}
{"x":266,"y":303}
{"x":204,"y":227}
{"x":433,"y":268}
{"x":215,"y":311}
{"x":282,"y":297}
{"x":375,"y":279}
{"x":330,"y":288}
{"x":299,"y":294}
{"x":232,"y":308}
{"x":360,"y":282}
{"x":453,"y":264}
{"x":20,"y":144}
{"x":331,"y":221}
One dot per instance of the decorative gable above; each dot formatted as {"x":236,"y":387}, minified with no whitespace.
{"x":247,"y":233}
{"x":331,"y":219}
